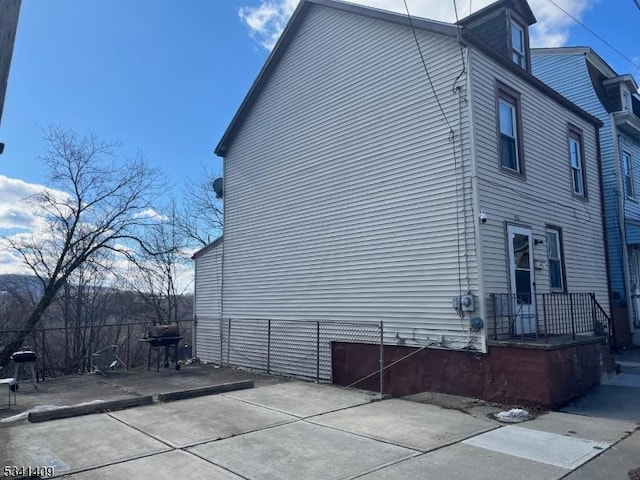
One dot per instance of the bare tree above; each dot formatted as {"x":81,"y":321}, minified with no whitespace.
{"x":157,"y":268}
{"x":95,"y":212}
{"x":201,"y":217}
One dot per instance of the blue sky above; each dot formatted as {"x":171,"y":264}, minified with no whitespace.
{"x":164,"y":77}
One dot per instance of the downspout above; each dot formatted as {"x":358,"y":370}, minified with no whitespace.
{"x":475,"y":199}
{"x":604,"y":230}
{"x":194,"y":330}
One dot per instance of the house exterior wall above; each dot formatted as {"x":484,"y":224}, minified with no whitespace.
{"x":208,"y":303}
{"x":9,"y":10}
{"x":569,"y":74}
{"x":341,"y":185}
{"x":544,"y":196}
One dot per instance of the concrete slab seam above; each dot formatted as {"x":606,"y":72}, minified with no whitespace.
{"x":390,"y":442}
{"x":626,"y":435}
{"x":211,"y":440}
{"x":74,"y":471}
{"x":195,"y":454}
{"x":390,"y":464}
{"x":141,"y":431}
{"x":300,"y":417}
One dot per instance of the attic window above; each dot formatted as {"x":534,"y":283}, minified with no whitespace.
{"x":518,"y":52}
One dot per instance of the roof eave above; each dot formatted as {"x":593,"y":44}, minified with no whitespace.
{"x":280,"y":47}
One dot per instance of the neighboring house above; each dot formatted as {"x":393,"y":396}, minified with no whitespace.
{"x":458,"y":205}
{"x":586,"y":79}
{"x":9,"y":10}
{"x":207,"y":300}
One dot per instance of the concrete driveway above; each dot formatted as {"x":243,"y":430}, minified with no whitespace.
{"x":298,"y":430}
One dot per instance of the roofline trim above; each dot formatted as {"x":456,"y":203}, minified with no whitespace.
{"x":292,"y":26}
{"x":529,"y":78}
{"x":206,"y":248}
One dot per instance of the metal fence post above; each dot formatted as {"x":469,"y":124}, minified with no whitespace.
{"x":269,"y":346}
{"x":317,"y":352}
{"x":229,"y":343}
{"x":44,"y":352}
{"x":544,"y":317}
{"x":381,"y":358}
{"x":573,"y":320}
{"x":128,"y":342}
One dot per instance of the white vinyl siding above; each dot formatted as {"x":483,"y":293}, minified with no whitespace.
{"x":568,"y":74}
{"x":545,"y":195}
{"x":341,"y":185}
{"x":208,"y":303}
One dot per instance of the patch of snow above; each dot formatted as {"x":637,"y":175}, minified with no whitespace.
{"x":515,"y":415}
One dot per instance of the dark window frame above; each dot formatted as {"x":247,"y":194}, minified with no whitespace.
{"x":513,"y":97}
{"x":577,"y":134}
{"x":629,"y":174}
{"x":563,"y":270}
{"x":515,"y":19}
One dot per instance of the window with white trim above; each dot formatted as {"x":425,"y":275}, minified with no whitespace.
{"x":627,"y":174}
{"x":518,"y":52}
{"x":554,"y":256}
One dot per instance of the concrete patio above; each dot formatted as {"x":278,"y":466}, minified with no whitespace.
{"x":284,"y":429}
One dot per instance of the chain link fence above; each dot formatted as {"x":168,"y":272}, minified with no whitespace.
{"x":283,"y":347}
{"x":68,"y":350}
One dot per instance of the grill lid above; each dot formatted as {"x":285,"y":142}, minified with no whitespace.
{"x":160,"y":331}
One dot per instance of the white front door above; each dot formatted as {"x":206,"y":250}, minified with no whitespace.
{"x":521,"y":280}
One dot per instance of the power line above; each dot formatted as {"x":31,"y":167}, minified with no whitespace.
{"x":424,"y":64}
{"x":596,"y":35}
{"x":637,"y":3}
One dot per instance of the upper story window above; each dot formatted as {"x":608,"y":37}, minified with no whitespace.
{"x":626,"y":100}
{"x":576,"y":156}
{"x":627,"y":175}
{"x":511,"y":158}
{"x":518,"y":41}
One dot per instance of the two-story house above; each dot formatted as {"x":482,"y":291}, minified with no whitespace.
{"x":585,"y":78}
{"x":413,"y":172}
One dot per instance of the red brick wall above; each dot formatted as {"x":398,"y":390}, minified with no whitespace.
{"x":511,"y":375}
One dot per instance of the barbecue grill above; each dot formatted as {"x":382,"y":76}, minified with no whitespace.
{"x":164,"y":337}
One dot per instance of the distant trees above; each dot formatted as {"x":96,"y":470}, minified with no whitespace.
{"x":156,"y":270}
{"x":201,"y":218}
{"x":94,"y":215}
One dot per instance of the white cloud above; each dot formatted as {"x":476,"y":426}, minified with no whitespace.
{"x":267,"y":20}
{"x":151,"y":214}
{"x":19,"y":220}
{"x":15,"y":210}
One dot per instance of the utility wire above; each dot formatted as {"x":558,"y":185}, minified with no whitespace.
{"x":424,"y":64}
{"x":596,"y":35}
{"x":637,"y":3}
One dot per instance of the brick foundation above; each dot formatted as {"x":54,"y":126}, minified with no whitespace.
{"x":523,"y":374}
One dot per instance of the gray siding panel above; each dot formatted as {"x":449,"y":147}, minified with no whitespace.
{"x":545,"y":196}
{"x":208,"y":304}
{"x":568,"y":74}
{"x":341,"y":185}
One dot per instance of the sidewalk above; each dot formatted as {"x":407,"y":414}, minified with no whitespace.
{"x":618,"y":399}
